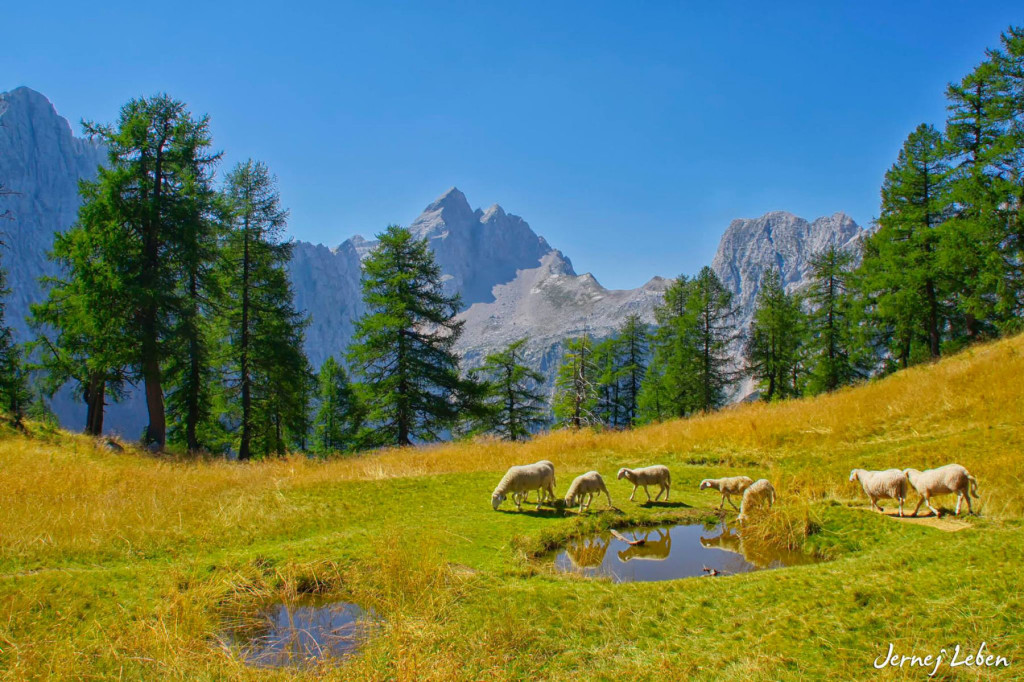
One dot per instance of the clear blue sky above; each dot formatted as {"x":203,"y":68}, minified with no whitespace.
{"x":628,"y":134}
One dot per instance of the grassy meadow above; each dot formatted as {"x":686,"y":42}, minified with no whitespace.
{"x":128,"y":565}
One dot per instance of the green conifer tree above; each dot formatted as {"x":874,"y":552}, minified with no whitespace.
{"x":403,"y":346}
{"x":513,"y":405}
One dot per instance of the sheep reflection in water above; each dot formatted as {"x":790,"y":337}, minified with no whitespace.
{"x":667,"y":553}
{"x":647,"y":549}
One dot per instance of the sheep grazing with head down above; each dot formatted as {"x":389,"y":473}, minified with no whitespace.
{"x":733,"y":485}
{"x":653,"y":475}
{"x":520,"y":480}
{"x":951,"y":478}
{"x":757,"y":493}
{"x":890,"y":484}
{"x":586,"y":485}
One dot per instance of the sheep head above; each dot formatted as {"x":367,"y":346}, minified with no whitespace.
{"x":706,"y":483}
{"x":622,"y":473}
{"x":854,"y":475}
{"x":496,"y":500}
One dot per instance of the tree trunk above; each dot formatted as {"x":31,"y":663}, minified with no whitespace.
{"x":245,"y":447}
{"x":94,"y":405}
{"x":192,"y":413}
{"x":933,"y":319}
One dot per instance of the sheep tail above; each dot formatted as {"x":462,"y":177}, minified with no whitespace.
{"x":974,"y":486}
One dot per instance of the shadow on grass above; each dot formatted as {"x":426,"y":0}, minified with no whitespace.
{"x":556,"y":513}
{"x":666,"y":505}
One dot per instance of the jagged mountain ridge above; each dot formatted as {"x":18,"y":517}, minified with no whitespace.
{"x":513,"y":283}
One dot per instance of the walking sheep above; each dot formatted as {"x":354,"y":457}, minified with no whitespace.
{"x":734,"y":485}
{"x":758,"y":492}
{"x":645,"y":476}
{"x":584,"y":485}
{"x":519,"y":480}
{"x":951,"y":478}
{"x":890,"y":484}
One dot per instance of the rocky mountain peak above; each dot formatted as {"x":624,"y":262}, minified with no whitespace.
{"x":777,"y":239}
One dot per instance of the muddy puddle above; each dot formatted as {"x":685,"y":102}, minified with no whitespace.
{"x":668,"y":553}
{"x":299,"y":633}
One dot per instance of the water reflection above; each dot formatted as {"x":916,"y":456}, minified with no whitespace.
{"x":669,"y":552}
{"x":298,"y":633}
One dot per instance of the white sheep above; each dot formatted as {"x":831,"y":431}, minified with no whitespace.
{"x":757,"y":492}
{"x":890,"y":484}
{"x":733,"y":485}
{"x":584,"y":485}
{"x":519,"y":480}
{"x":645,"y":476}
{"x":951,"y":478}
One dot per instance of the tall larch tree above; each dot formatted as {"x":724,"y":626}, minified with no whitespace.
{"x":75,"y":344}
{"x":714,"y":332}
{"x":634,"y":347}
{"x":669,"y":385}
{"x":514,"y":406}
{"x":403,"y":348}
{"x":833,"y":355}
{"x":575,"y":397}
{"x":338,"y":416}
{"x":772,"y":350}
{"x":142,"y":195}
{"x":902,"y":264}
{"x":269,"y":379}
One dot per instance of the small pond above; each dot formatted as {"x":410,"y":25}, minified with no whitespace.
{"x":668,"y":553}
{"x":300,"y":632}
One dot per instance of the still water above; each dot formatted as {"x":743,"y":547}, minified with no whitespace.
{"x":669,"y":552}
{"x":300,"y":632}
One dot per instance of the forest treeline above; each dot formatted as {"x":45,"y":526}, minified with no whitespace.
{"x":173,"y":280}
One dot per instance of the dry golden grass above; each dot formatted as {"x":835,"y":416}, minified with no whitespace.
{"x":66,"y":495}
{"x":124,"y":564}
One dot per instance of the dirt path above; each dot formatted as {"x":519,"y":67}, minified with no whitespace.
{"x":950,"y":523}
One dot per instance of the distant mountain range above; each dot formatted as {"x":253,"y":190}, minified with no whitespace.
{"x":512,"y":282}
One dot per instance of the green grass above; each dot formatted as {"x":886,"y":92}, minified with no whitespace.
{"x":126,"y":566}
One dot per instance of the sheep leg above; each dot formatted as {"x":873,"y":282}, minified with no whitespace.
{"x":729,"y":497}
{"x":967,"y":496}
{"x":876,"y":506}
{"x":518,"y":501}
{"x":635,"y":486}
{"x":540,"y":497}
{"x":661,"y":489}
{"x":918,"y":505}
{"x":900,"y":499}
{"x":648,"y":493}
{"x":608,"y":495}
{"x":934,"y":510}
{"x":959,"y":499}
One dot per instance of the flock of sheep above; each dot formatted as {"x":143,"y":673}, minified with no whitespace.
{"x":892,"y":484}
{"x":519,"y":481}
{"x":878,"y":485}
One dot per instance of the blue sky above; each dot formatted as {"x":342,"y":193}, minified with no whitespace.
{"x":628,"y":134}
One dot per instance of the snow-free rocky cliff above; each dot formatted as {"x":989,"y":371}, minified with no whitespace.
{"x":513,"y":283}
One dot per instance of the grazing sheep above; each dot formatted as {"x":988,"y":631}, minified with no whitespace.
{"x":951,"y":478}
{"x":653,"y":475}
{"x":519,"y":480}
{"x":757,"y":492}
{"x":733,"y":485}
{"x":584,"y":485}
{"x":890,"y":484}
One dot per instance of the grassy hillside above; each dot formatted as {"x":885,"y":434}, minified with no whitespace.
{"x":127,"y":565}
